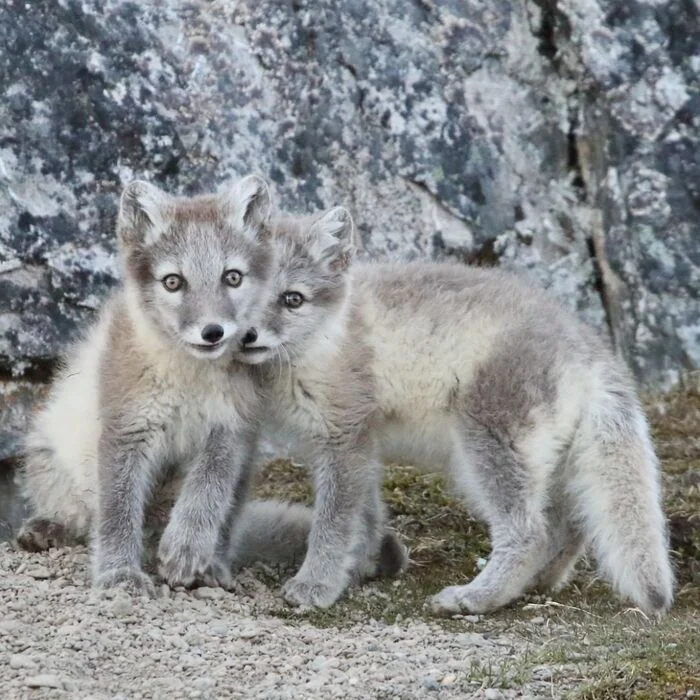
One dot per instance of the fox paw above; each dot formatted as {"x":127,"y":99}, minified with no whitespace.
{"x":133,"y":581}
{"x":217,"y":574}
{"x":393,"y":557}
{"x":298,"y":591}
{"x":454,"y":600}
{"x":181,"y":559}
{"x":40,"y":534}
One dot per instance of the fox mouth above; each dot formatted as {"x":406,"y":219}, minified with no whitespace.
{"x":257,"y":350}
{"x":209,"y":347}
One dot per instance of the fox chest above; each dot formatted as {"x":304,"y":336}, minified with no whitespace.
{"x":187,"y":415}
{"x":297,"y":417}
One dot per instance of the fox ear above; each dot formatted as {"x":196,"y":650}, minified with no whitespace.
{"x":249,"y":203}
{"x":333,"y":239}
{"x":143,"y":211}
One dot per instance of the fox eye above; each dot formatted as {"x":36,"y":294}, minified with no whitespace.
{"x":233,"y":278}
{"x":172,"y":282}
{"x":293,"y":300}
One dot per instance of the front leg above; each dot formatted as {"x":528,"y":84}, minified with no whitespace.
{"x":342,"y":484}
{"x":125,"y":473}
{"x":204,"y":511}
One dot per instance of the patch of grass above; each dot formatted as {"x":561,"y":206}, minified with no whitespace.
{"x":643,"y":662}
{"x":675,"y":424}
{"x":284,"y":480}
{"x":445,"y":542}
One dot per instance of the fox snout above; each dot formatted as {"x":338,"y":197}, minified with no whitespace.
{"x":250,"y":337}
{"x":212,"y":333}
{"x":210,"y":338}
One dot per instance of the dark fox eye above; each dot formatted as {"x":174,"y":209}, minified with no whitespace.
{"x":172,"y":282}
{"x":233,"y":278}
{"x":293,"y":300}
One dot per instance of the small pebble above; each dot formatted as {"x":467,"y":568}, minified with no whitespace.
{"x":46,"y":680}
{"x":23,"y":661}
{"x":539,"y":620}
{"x":207,"y":593}
{"x":10,"y":627}
{"x":542,"y":673}
{"x":220,"y":629}
{"x":122,"y":606}
{"x":250,"y":632}
{"x":39,"y":572}
{"x":430,"y":683}
{"x":493,"y":694}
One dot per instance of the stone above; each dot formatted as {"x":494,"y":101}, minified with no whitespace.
{"x":560,"y":140}
{"x":430,"y":683}
{"x":471,"y":639}
{"x":18,"y":661}
{"x":542,"y":673}
{"x":208,"y":593}
{"x":122,"y":606}
{"x":39,"y":573}
{"x":45,"y":680}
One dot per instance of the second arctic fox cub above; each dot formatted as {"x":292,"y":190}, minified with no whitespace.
{"x":470,"y":372}
{"x":152,"y":385}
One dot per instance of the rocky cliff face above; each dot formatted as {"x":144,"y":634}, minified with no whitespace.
{"x":557,"y":138}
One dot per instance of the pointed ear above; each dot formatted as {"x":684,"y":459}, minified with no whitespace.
{"x":143,"y":211}
{"x":249,"y":204}
{"x":333,"y":239}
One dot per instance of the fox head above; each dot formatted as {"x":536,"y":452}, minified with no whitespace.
{"x":308,"y":290}
{"x":196,"y":268}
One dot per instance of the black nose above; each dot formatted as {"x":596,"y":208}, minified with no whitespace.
{"x":250,"y":337}
{"x":212,"y":333}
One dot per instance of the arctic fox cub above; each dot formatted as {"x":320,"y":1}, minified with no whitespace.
{"x":470,"y":372}
{"x":153,"y":385}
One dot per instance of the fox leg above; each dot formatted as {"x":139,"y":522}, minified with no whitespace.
{"x":511,"y":497}
{"x":342,"y":480}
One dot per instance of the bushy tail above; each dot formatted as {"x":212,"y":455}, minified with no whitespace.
{"x":617,"y":488}
{"x":273,"y":532}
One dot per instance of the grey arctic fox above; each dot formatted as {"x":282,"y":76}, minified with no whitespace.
{"x":152,"y":385}
{"x":149,"y":408}
{"x":470,"y":372}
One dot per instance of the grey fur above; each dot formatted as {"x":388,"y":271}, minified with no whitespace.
{"x":324,"y":401}
{"x":472,"y":372}
{"x":277,"y":533}
{"x":143,"y":391}
{"x":132,"y":416}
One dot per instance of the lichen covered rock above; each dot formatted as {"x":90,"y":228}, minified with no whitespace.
{"x":560,"y":139}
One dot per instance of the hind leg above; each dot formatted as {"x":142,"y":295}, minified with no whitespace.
{"x":511,"y":496}
{"x":516,"y":557}
{"x":39,"y":534}
{"x":566,"y":547}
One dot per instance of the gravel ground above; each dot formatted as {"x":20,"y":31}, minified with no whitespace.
{"x":59,"y":639}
